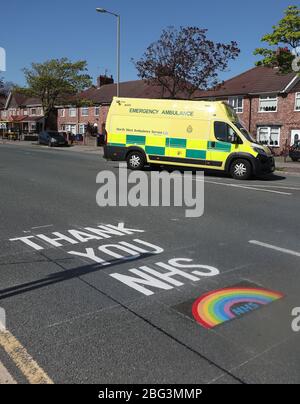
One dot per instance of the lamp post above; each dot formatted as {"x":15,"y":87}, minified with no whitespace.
{"x":103,"y":10}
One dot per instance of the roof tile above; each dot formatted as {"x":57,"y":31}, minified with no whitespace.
{"x":257,"y":80}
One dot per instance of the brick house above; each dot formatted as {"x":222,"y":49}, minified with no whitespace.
{"x":2,"y":101}
{"x":21,"y":115}
{"x":72,"y":119}
{"x":267,"y":102}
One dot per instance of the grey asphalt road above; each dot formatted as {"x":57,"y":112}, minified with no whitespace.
{"x":80,"y":324}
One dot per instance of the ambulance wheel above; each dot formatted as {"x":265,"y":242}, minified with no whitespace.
{"x":135,"y":160}
{"x":241,"y":170}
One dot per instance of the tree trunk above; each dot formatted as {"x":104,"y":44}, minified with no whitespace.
{"x":51,"y":120}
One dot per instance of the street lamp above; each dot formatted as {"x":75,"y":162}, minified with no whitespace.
{"x":104,"y":11}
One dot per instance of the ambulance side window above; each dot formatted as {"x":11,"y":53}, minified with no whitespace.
{"x":224,"y":132}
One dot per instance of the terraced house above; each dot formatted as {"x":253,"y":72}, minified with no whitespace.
{"x":21,"y":116}
{"x":267,"y":102}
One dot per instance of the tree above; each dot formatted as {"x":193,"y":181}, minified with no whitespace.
{"x":184,"y":60}
{"x":55,"y":81}
{"x":285,"y":40}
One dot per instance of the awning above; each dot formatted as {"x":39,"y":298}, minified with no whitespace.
{"x":32,"y":119}
{"x":25,"y":119}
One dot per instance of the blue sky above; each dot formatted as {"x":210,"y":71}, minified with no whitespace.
{"x":38,"y":30}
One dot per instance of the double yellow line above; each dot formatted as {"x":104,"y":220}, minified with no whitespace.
{"x":25,"y":363}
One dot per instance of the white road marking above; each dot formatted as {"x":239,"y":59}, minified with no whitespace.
{"x":42,"y":227}
{"x":291,"y":188}
{"x":5,"y":376}
{"x":251,"y":188}
{"x":273,"y":247}
{"x":226,"y":184}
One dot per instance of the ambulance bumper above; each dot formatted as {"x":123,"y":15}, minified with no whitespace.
{"x":115,"y":153}
{"x":264,"y":165}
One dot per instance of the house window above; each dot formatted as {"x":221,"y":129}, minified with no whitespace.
{"x":33,"y":127}
{"x":72,"y":112}
{"x":82,"y":128}
{"x":62,"y":113}
{"x":269,"y":135}
{"x":297,"y":102}
{"x":84,"y":111}
{"x":268,"y":103}
{"x":70,"y":128}
{"x":25,"y":112}
{"x":237,"y":104}
{"x":97,"y":111}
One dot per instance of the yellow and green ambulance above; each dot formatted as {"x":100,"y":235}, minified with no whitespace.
{"x":198,"y":134}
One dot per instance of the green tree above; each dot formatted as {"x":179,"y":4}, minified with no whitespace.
{"x":55,"y":82}
{"x":284,"y":42}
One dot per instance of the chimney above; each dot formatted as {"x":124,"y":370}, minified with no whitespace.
{"x":103,"y":80}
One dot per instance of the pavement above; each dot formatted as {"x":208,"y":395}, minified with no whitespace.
{"x":73,"y":148}
{"x":105,"y":294}
{"x":287,"y":165}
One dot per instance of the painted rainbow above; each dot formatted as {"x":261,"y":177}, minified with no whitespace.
{"x":217,"y":307}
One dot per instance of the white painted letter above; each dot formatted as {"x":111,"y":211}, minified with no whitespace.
{"x":82,"y":236}
{"x":107,"y":250}
{"x":212,"y":270}
{"x":58,"y":237}
{"x":89,"y":254}
{"x":167,"y":276}
{"x":27,"y":241}
{"x":135,"y":283}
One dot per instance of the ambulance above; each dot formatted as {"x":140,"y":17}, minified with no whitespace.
{"x":196,"y":134}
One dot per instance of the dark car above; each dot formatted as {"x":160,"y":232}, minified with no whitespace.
{"x":295,"y":151}
{"x":52,"y":138}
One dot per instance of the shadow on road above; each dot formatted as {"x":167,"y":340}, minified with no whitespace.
{"x":66,"y":275}
{"x":210,"y":173}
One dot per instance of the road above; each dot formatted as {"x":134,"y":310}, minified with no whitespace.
{"x":70,"y":321}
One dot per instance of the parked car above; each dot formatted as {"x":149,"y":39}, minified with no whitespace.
{"x":295,"y":151}
{"x":64,"y":134}
{"x":52,"y":138}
